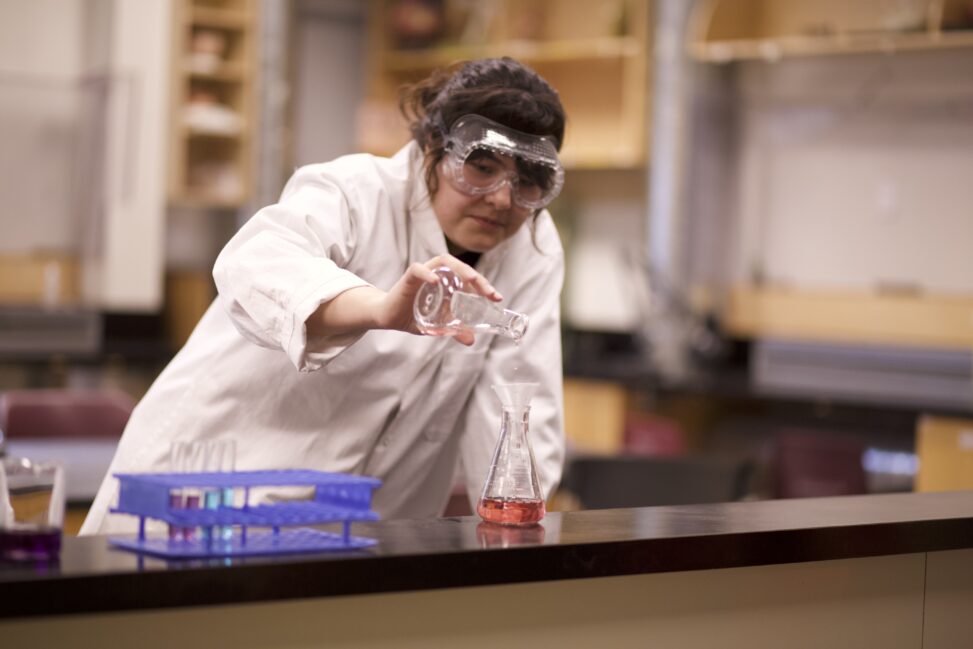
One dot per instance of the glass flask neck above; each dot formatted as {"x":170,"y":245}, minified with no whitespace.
{"x":515,"y":420}
{"x":514,"y":426}
{"x":511,"y":324}
{"x":519,"y":413}
{"x":479,"y":314}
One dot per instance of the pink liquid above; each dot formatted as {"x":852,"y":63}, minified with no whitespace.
{"x":512,"y":511}
{"x":440,"y":331}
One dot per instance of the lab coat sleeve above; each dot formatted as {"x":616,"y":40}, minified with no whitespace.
{"x":287,"y":260}
{"x":536,"y":359}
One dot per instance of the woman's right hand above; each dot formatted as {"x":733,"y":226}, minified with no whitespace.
{"x":366,"y":307}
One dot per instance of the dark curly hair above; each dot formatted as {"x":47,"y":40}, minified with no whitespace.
{"x":504,"y":90}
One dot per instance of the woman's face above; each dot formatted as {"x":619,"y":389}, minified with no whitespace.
{"x":477,"y":223}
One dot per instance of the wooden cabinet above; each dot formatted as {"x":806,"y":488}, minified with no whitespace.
{"x":887,"y":288}
{"x":728,"y":30}
{"x":212,"y":113}
{"x":944,"y":446}
{"x":873,"y":318}
{"x":595,"y":53}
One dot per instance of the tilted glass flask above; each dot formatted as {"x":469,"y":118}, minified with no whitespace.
{"x":512,"y":493}
{"x":444,"y":308}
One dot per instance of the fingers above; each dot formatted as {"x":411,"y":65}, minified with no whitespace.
{"x":424,"y":272}
{"x":469,"y":275}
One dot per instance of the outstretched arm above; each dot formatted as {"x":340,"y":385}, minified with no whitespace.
{"x":365,"y":307}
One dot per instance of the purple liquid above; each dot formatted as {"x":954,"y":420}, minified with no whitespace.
{"x":192,"y":502}
{"x":180,"y":501}
{"x":27,"y":544}
{"x":175,"y":502}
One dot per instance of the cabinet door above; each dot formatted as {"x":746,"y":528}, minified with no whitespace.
{"x":126,"y":274}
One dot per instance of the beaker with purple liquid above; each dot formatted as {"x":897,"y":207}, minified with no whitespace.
{"x":32,"y":499}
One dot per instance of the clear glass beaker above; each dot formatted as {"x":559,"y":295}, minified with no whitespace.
{"x":32,"y":500}
{"x":512,"y":493}
{"x":445,"y":308}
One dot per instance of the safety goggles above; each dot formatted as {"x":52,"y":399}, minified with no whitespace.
{"x":482,"y":156}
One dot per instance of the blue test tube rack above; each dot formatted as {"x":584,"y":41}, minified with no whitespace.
{"x":338,"y":498}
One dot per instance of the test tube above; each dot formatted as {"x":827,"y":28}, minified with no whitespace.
{"x":197,"y":457}
{"x":220,"y":457}
{"x":228,"y":465}
{"x":177,"y":464}
{"x":212,"y":496}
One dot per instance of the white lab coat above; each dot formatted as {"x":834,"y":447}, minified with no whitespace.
{"x":396,"y":406}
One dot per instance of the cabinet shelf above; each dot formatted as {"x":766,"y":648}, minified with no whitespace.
{"x":937,"y":321}
{"x":215,"y":66}
{"x":723,"y":31}
{"x":228,"y":72}
{"x":527,"y":51}
{"x":790,"y":46}
{"x":205,"y":200}
{"x":214,"y":135}
{"x":219,"y":18}
{"x":594,"y":52}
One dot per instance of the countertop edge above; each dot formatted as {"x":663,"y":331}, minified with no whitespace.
{"x":305,"y":578}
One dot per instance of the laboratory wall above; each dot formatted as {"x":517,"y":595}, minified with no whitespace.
{"x":602,"y":225}
{"x":330,"y":50}
{"x":41,"y":101}
{"x":84,"y":89}
{"x":854,"y":172}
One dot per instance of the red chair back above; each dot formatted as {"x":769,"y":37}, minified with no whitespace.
{"x":64,"y":413}
{"x":817,"y":463}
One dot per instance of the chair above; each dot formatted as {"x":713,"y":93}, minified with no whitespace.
{"x":602,"y":482}
{"x":79,"y":427}
{"x":64,"y":413}
{"x":817,"y":463}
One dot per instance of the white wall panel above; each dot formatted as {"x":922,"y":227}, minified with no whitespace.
{"x":855,"y":171}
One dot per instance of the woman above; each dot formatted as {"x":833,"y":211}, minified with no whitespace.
{"x":323,"y":282}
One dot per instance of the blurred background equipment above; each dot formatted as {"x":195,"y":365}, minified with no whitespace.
{"x":945,"y":453}
{"x":643,"y":481}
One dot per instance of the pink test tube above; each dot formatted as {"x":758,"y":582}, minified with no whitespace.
{"x":177,"y":464}
{"x":197,"y":459}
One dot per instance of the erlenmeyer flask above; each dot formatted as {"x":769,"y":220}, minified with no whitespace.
{"x":512,"y":493}
{"x":444,"y":308}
